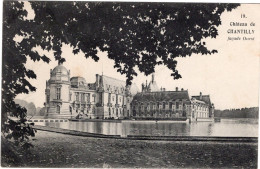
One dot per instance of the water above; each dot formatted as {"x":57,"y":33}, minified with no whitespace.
{"x":227,"y":127}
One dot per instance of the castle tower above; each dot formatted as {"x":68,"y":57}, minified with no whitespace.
{"x":57,"y":93}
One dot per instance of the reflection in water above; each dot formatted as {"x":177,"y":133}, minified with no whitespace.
{"x":227,"y":127}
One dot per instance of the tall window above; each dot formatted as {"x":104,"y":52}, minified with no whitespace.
{"x":88,"y":97}
{"x":58,"y":93}
{"x":109,"y":97}
{"x":77,"y":96}
{"x":170,"y":105}
{"x":177,"y":105}
{"x":58,"y":109}
{"x":163,"y":105}
{"x":151,"y":106}
{"x":83,"y":97}
{"x":94,"y":98}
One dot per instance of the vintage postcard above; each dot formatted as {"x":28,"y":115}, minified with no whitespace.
{"x":130,"y":84}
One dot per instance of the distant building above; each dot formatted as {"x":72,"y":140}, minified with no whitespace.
{"x":161,"y":104}
{"x":201,"y":107}
{"x":170,"y":104}
{"x":66,"y":97}
{"x":108,"y":97}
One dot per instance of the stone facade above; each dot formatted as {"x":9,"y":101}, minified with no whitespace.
{"x":108,"y":97}
{"x":171,"y":104}
{"x":201,"y":107}
{"x":161,"y":104}
{"x":105,"y":98}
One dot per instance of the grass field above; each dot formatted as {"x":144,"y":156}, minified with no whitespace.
{"x":60,"y":150}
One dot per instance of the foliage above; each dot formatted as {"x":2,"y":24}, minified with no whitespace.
{"x":30,"y":107}
{"x":18,"y":130}
{"x":252,"y":112}
{"x":15,"y":75}
{"x":133,"y":34}
{"x":140,"y":35}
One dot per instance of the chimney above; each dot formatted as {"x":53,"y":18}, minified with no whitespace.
{"x":200,"y":95}
{"x":164,"y":89}
{"x":152,"y":77}
{"x":97,"y":80}
{"x":142,"y":87}
{"x":181,"y":89}
{"x":176,"y":89}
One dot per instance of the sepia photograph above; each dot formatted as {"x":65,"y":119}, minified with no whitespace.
{"x":129,"y":84}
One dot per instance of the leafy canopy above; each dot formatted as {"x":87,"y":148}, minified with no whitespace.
{"x":140,"y":35}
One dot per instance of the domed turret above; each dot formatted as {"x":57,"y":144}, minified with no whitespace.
{"x":60,"y":73}
{"x":58,"y":97}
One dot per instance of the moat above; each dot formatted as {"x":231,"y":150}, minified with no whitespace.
{"x":227,"y":127}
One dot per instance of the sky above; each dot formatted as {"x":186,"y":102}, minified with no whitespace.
{"x":230,"y":77}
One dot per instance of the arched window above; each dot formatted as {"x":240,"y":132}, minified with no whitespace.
{"x":58,"y":109}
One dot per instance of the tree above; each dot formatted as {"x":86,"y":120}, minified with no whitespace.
{"x":30,"y":107}
{"x":140,"y":35}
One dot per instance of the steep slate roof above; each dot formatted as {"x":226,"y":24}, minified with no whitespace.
{"x":205,"y":98}
{"x":112,"y":82}
{"x":120,"y":84}
{"x":161,"y":96}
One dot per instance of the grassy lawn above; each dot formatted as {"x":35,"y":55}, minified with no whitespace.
{"x":60,"y":150}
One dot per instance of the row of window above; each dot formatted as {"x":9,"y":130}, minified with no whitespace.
{"x":82,"y":97}
{"x":153,"y":107}
{"x":163,"y":105}
{"x":113,"y":111}
{"x":170,"y":104}
{"x":113,"y":98}
{"x":85,"y":96}
{"x":203,"y":108}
